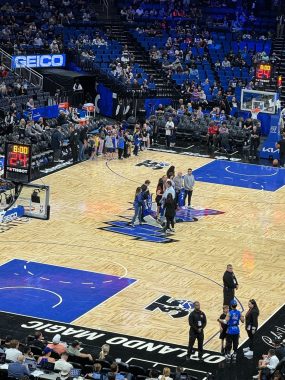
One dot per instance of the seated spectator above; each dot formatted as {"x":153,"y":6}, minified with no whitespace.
{"x":226,"y":63}
{"x":135,"y":85}
{"x":248,"y":124}
{"x":31,"y":132}
{"x":62,"y":363}
{"x":96,"y":374}
{"x":64,"y":373}
{"x":213,"y":131}
{"x":56,"y":345}
{"x":3,"y":71}
{"x":3,"y":89}
{"x":178,"y":373}
{"x":27,"y":352}
{"x":114,"y":372}
{"x":119,"y":70}
{"x":279,"y":349}
{"x":13,"y":352}
{"x":40,"y":125}
{"x":267,"y":365}
{"x":105,"y":353}
{"x":144,"y":86}
{"x":62,"y":118}
{"x":74,"y":350}
{"x":165,"y":374}
{"x":202,"y":96}
{"x":125,"y":58}
{"x":18,"y":369}
{"x":160,"y":110}
{"x":38,"y":42}
{"x":153,"y":374}
{"x":181,"y":111}
{"x":54,"y":49}
{"x":194,"y":72}
{"x":46,"y":357}
{"x":30,"y":104}
{"x":195,"y":95}
{"x":199,"y":113}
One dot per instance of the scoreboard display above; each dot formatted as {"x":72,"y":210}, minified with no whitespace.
{"x":264,"y":72}
{"x":18,"y":160}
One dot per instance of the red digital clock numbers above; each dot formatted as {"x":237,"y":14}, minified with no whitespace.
{"x":18,"y":160}
{"x":263,"y":72}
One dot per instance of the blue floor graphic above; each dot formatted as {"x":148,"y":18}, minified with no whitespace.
{"x":145,"y":232}
{"x":242,"y":175}
{"x":53,"y":292}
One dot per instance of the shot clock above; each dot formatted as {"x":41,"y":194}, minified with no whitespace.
{"x":18,"y":159}
{"x":264,"y":72}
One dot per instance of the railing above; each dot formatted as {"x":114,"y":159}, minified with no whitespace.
{"x":27,"y":73}
{"x":106,"y":5}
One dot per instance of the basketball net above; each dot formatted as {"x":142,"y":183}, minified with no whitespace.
{"x":254,"y":113}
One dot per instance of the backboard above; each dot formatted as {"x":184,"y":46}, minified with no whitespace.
{"x":264,"y":100}
{"x":35,"y":200}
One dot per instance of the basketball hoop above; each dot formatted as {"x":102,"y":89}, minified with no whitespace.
{"x":254,"y":113}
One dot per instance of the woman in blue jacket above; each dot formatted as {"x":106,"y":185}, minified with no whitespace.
{"x":138,"y":202}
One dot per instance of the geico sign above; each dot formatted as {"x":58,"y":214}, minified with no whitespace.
{"x":46,"y":60}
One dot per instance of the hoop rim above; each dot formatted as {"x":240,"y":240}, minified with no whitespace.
{"x":255,"y":110}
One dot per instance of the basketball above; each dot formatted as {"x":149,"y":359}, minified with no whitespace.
{"x":275,"y":162}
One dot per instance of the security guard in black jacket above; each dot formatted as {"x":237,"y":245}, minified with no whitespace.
{"x":230,"y":284}
{"x":197,"y":322}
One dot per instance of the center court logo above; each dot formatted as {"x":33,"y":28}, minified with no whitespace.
{"x":144,"y":232}
{"x":175,"y":308}
{"x":153,"y":164}
{"x":155,"y":234}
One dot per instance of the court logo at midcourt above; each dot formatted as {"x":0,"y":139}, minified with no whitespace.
{"x":175,"y":308}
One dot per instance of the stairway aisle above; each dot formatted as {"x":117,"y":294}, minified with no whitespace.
{"x":279,"y":49}
{"x":119,"y":32}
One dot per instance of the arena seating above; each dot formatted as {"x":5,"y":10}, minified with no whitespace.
{"x":130,"y":372}
{"x":201,"y":57}
{"x":109,"y":56}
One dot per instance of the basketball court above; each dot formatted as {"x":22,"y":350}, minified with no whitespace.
{"x":84,"y":265}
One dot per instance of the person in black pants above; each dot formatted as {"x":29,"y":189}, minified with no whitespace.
{"x":254,"y":141}
{"x":223,"y":327}
{"x":170,"y":211}
{"x":73,"y":142}
{"x":251,"y":325}
{"x":197,"y":322}
{"x":230,"y":284}
{"x":281,"y":146}
{"x":56,"y":142}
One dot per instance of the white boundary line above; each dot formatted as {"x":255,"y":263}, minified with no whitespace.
{"x":101,"y":303}
{"x":77,"y":269}
{"x":33,"y":287}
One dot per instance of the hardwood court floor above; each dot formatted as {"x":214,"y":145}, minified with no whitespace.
{"x":250,"y":235}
